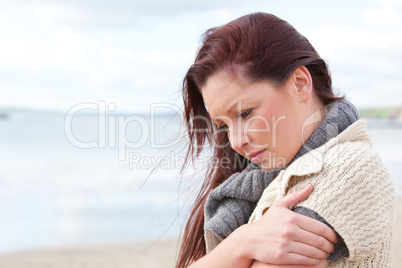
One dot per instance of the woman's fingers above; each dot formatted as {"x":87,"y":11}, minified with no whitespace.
{"x":312,"y":240}
{"x":304,"y":249}
{"x":304,"y":222}
{"x":298,"y":239}
{"x":292,"y":199}
{"x":304,"y":243}
{"x":295,"y":258}
{"x":316,"y":227}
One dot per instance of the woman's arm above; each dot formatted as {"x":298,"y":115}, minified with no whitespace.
{"x":279,"y":237}
{"x":257,"y":264}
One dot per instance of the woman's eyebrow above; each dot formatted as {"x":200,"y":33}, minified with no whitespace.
{"x":238,"y":103}
{"x":230,"y":109}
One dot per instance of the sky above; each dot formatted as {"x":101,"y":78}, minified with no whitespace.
{"x":132,"y":53}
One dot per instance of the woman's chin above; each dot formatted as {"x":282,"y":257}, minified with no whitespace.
{"x":270,"y":163}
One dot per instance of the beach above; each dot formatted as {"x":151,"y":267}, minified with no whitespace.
{"x":150,"y":253}
{"x":76,"y":208}
{"x":139,"y":254}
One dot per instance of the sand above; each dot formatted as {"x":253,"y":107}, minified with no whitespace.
{"x":140,"y":254}
{"x":137,"y":254}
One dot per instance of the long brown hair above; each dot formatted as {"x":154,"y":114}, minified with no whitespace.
{"x":261,"y":47}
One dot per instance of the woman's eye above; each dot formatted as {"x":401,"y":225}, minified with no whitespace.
{"x":245,"y":114}
{"x":222,"y":127}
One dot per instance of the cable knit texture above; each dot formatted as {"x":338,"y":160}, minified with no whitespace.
{"x":353,"y":193}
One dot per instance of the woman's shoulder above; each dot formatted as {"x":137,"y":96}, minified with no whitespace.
{"x":350,"y":156}
{"x":356,"y":134}
{"x":351,"y":147}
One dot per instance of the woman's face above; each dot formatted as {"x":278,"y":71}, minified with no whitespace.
{"x":264,"y":123}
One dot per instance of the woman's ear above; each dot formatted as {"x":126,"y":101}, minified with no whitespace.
{"x":303,"y":83}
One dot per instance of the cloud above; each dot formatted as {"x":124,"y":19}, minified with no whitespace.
{"x":390,"y":1}
{"x":385,"y":15}
{"x":67,"y":64}
{"x":365,"y":57}
{"x":122,"y":13}
{"x":59,"y":53}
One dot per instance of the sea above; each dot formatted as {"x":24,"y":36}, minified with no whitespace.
{"x":91,"y":176}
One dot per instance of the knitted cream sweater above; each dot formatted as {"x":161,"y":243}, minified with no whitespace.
{"x":352,"y":192}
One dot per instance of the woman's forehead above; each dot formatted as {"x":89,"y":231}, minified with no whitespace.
{"x":225,"y":95}
{"x":221,"y":92}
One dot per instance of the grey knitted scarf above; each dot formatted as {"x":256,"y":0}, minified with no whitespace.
{"x":231,"y":204}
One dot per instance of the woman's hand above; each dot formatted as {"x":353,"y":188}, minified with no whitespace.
{"x":283,"y":237}
{"x":257,"y":264}
{"x":280,"y":237}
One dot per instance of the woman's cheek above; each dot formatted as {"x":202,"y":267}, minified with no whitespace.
{"x":258,"y":135}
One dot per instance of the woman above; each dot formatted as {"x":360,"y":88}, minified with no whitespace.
{"x":261,"y":95}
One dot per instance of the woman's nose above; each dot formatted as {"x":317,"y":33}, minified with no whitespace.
{"x":238,"y":139}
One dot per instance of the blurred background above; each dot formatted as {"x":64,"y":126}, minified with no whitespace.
{"x":91,"y":142}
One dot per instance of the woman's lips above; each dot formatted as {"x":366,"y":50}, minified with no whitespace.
{"x":256,"y":157}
